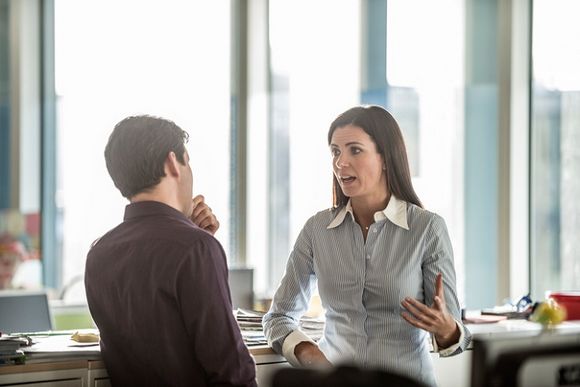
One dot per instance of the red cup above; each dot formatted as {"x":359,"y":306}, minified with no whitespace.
{"x":570,"y":301}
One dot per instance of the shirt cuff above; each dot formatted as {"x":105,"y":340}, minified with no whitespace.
{"x":449,"y":350}
{"x":290,"y":342}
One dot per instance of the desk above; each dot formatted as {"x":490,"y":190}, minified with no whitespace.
{"x":59,"y":371}
{"x":62,"y":371}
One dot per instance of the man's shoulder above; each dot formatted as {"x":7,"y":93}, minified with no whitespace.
{"x":178,"y":233}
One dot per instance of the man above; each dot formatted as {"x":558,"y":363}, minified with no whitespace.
{"x":157,"y":283}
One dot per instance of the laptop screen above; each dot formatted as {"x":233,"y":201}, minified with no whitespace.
{"x":24,"y":311}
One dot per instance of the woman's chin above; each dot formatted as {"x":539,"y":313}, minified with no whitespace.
{"x":350,"y":193}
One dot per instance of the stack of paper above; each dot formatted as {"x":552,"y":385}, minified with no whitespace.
{"x":250,"y":323}
{"x":10,"y":349}
{"x":249,"y":320}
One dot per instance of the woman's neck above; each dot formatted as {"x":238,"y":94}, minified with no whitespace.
{"x":364,"y":208}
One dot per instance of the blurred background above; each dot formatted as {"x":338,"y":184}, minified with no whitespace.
{"x":487,"y":93}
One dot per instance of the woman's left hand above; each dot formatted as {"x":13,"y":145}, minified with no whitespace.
{"x":435,"y":319}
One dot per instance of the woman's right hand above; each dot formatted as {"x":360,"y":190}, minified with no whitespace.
{"x":310,"y":356}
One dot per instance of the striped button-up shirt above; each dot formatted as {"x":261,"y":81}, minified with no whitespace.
{"x":361,"y":285}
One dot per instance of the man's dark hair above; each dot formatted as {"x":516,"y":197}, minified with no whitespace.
{"x":380,"y":125}
{"x":137,"y":149}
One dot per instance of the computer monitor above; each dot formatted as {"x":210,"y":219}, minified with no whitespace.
{"x":529,"y":359}
{"x":241,"y":281}
{"x":24,"y":311}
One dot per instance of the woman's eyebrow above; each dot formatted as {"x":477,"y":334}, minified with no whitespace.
{"x":348,"y":144}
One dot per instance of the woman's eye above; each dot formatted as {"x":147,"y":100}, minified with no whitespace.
{"x":335,"y":152}
{"x":355,"y":151}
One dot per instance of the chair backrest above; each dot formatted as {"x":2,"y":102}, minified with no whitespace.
{"x":24,"y":311}
{"x":341,"y":377}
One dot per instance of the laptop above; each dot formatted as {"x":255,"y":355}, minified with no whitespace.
{"x":24,"y":311}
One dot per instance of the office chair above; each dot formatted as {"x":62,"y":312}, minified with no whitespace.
{"x":344,"y":376}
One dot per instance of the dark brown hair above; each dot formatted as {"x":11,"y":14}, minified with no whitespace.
{"x":136,"y":151}
{"x":380,"y":125}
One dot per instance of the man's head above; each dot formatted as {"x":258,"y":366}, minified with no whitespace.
{"x":138,"y":150}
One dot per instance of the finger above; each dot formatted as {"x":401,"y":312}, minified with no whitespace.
{"x":197,"y":200}
{"x":201,"y":211}
{"x":204,"y":223}
{"x":207,"y":222}
{"x":439,"y":293}
{"x":212,"y":228}
{"x":438,"y":303}
{"x":201,"y":216}
{"x":439,"y":285}
{"x":419,"y":318}
{"x":414,"y":322}
{"x":417,"y":307}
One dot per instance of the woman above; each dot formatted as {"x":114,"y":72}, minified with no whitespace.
{"x":383,"y":264}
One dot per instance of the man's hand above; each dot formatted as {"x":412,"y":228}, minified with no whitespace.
{"x":435,"y":319}
{"x":309,"y":355}
{"x":202,"y":215}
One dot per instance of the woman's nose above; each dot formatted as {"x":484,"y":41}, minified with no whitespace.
{"x":341,"y":161}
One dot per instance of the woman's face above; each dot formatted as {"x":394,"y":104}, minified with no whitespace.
{"x":357,"y":165}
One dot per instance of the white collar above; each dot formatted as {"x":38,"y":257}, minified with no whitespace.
{"x":396,"y":212}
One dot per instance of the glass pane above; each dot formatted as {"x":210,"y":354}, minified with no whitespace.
{"x":5,"y":154}
{"x":425,"y":76}
{"x":317,"y":72}
{"x":555,"y":156}
{"x":20,"y":258}
{"x":115,"y":59}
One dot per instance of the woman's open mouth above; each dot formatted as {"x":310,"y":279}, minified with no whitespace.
{"x":347,"y":179}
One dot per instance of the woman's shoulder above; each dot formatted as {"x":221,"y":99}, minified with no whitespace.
{"x":323,"y":218}
{"x":422,"y":217}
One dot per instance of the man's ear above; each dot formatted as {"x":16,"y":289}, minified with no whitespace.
{"x":171,"y":165}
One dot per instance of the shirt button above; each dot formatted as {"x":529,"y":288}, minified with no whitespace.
{"x":368,"y":256}
{"x":375,"y":230}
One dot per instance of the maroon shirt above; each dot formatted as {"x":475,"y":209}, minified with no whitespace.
{"x":158,"y":291}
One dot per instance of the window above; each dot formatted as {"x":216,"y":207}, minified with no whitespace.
{"x":115,"y":59}
{"x":359,"y":52}
{"x":555,"y":140}
{"x":19,"y":145}
{"x":425,"y":77}
{"x":173,"y":59}
{"x":314,"y":76}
